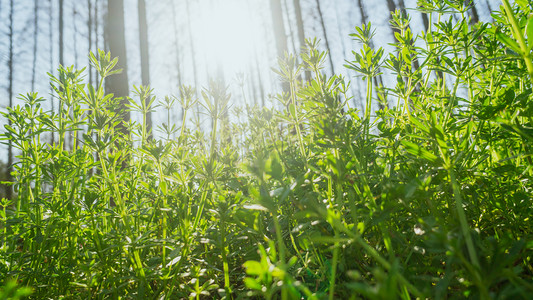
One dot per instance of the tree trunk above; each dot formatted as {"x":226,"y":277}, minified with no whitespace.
{"x":323,"y":25}
{"x":9,"y":190}
{"x":51,"y":41}
{"x":35,"y":33}
{"x":61,"y":62}
{"x":96,"y":35}
{"x":279,"y":33}
{"x":145,"y":56}
{"x":299,"y":22}
{"x":279,"y":27}
{"x":118,"y":83}
{"x":291,"y":31}
{"x":301,"y":30}
{"x":90,"y":36}
{"x":75,"y":35}
{"x":473,"y":12}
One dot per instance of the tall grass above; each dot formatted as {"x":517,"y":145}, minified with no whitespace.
{"x":429,"y":198}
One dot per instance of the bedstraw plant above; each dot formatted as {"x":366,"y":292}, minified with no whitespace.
{"x":427,"y":195}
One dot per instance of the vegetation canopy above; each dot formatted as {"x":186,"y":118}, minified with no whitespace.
{"x":427,"y":198}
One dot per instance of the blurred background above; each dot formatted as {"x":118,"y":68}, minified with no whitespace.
{"x":168,"y":43}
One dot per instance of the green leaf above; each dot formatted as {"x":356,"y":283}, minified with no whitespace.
{"x":253,"y":267}
{"x":529,"y":32}
{"x":292,"y":110}
{"x":419,"y":125}
{"x":506,"y":40}
{"x":252,"y":284}
{"x":163,"y":186}
{"x":174,"y":261}
{"x":523,"y":4}
{"x":416,"y":150}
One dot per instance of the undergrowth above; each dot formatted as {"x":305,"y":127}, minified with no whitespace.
{"x":427,"y":195}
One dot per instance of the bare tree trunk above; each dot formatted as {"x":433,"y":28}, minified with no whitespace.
{"x":90,"y":35}
{"x":473,"y":11}
{"x":280,"y":34}
{"x":35,"y":33}
{"x":51,"y":41}
{"x":279,"y":28}
{"x":75,"y":35}
{"x":96,"y":35}
{"x":9,"y":191}
{"x":325,"y":35}
{"x":301,"y":30}
{"x":291,"y":31}
{"x":145,"y":58}
{"x":299,"y":22}
{"x":488,"y":5}
{"x":118,"y":83}
{"x":61,"y":62}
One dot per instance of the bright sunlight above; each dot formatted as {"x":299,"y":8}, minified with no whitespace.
{"x":228,"y":35}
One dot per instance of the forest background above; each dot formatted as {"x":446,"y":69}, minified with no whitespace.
{"x":189,"y":42}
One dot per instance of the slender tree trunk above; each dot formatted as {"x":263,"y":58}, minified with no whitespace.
{"x":301,"y":31}
{"x":280,"y":34}
{"x":145,"y":58}
{"x":90,"y":35}
{"x":118,"y":83}
{"x":75,"y":34}
{"x":51,"y":41}
{"x":299,"y":22}
{"x":473,"y":11}
{"x":9,"y":191}
{"x":291,"y":31}
{"x":323,"y":25}
{"x":35,"y":34}
{"x":61,"y":62}
{"x":279,"y":27}
{"x":488,"y":5}
{"x":96,"y":35}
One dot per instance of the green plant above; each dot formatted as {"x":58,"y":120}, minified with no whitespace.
{"x":427,"y":197}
